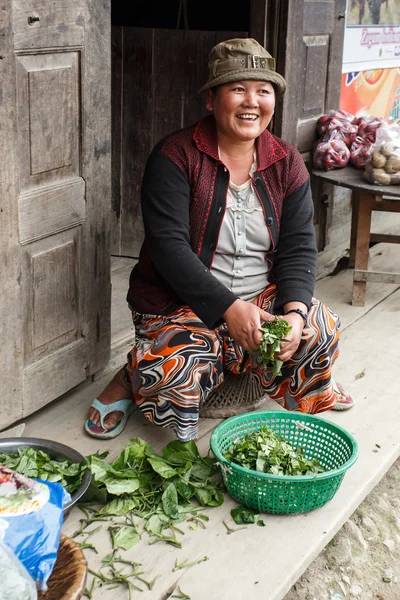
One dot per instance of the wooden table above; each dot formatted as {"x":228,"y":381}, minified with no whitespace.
{"x":366,"y":197}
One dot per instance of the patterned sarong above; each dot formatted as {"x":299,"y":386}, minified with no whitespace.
{"x":177,"y":361}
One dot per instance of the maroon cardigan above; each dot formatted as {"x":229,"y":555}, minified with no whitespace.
{"x":184,"y":192}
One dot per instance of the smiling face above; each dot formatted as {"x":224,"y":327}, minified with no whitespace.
{"x":242,"y":109}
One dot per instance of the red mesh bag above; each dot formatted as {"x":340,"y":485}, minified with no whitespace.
{"x":340,"y":122}
{"x":367,"y":127}
{"x":331,"y":153}
{"x":360,"y":152}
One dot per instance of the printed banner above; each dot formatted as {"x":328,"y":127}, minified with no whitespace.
{"x":374,"y":91}
{"x":372,"y":35}
{"x":369,"y":47}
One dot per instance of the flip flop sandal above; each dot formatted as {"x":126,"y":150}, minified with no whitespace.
{"x":343,"y":400}
{"x":100,"y":431}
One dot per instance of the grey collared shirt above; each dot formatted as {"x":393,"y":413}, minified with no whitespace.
{"x":239,"y":261}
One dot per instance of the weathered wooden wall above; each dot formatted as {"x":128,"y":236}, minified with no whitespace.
{"x":155,"y":77}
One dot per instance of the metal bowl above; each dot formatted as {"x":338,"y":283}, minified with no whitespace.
{"x":56,"y":451}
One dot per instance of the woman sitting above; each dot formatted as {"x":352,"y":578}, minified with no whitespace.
{"x":229,"y":243}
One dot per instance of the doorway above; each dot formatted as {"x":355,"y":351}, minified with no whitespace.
{"x":159,"y":61}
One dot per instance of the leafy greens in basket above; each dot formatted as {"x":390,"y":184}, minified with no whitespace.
{"x":273,"y":333}
{"x":267,"y":452}
{"x":38,"y":464}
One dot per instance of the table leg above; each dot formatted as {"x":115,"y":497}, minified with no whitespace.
{"x":354,"y":221}
{"x":362,"y":236}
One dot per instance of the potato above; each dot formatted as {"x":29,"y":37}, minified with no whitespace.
{"x":379,"y":176}
{"x":392,"y":164}
{"x":386,"y":149}
{"x":378,"y":159}
{"x":368,"y":168}
{"x":395,"y":179}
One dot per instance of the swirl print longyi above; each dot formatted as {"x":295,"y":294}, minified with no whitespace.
{"x":177,"y":361}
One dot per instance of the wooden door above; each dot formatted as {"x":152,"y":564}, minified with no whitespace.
{"x":55,"y":150}
{"x":306,"y":36}
{"x":156,"y":75}
{"x":309,"y":54}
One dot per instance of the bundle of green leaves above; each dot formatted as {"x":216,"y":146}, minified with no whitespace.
{"x":267,"y":452}
{"x":38,"y":464}
{"x":273,"y":333}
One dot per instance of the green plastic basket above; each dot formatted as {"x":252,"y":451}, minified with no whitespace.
{"x":334,"y":447}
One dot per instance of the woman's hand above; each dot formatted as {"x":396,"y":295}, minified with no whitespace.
{"x":244,"y":321}
{"x":289,"y":347}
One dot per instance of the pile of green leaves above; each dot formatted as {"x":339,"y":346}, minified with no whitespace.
{"x":273,"y":333}
{"x":159,"y":489}
{"x":37,"y":464}
{"x":267,"y":452}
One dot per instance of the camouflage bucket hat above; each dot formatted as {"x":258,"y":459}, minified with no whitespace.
{"x":239,"y":59}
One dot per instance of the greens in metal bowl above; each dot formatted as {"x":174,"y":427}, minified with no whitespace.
{"x":49,"y":461}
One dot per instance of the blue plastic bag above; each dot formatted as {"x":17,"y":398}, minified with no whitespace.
{"x":31,"y":517}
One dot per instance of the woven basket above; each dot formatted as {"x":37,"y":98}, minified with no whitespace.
{"x":237,"y":394}
{"x":334,"y":447}
{"x":68,"y":578}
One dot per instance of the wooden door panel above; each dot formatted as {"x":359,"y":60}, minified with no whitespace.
{"x":60,"y":23}
{"x":56,"y":130}
{"x":315,"y":53}
{"x":52,"y":285}
{"x":63,"y":206}
{"x":316,"y":50}
{"x":54,"y":313}
{"x":55,"y":353}
{"x":49,"y":111}
{"x":319,"y":16}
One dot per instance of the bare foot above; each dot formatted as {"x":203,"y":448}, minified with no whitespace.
{"x":117,"y":389}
